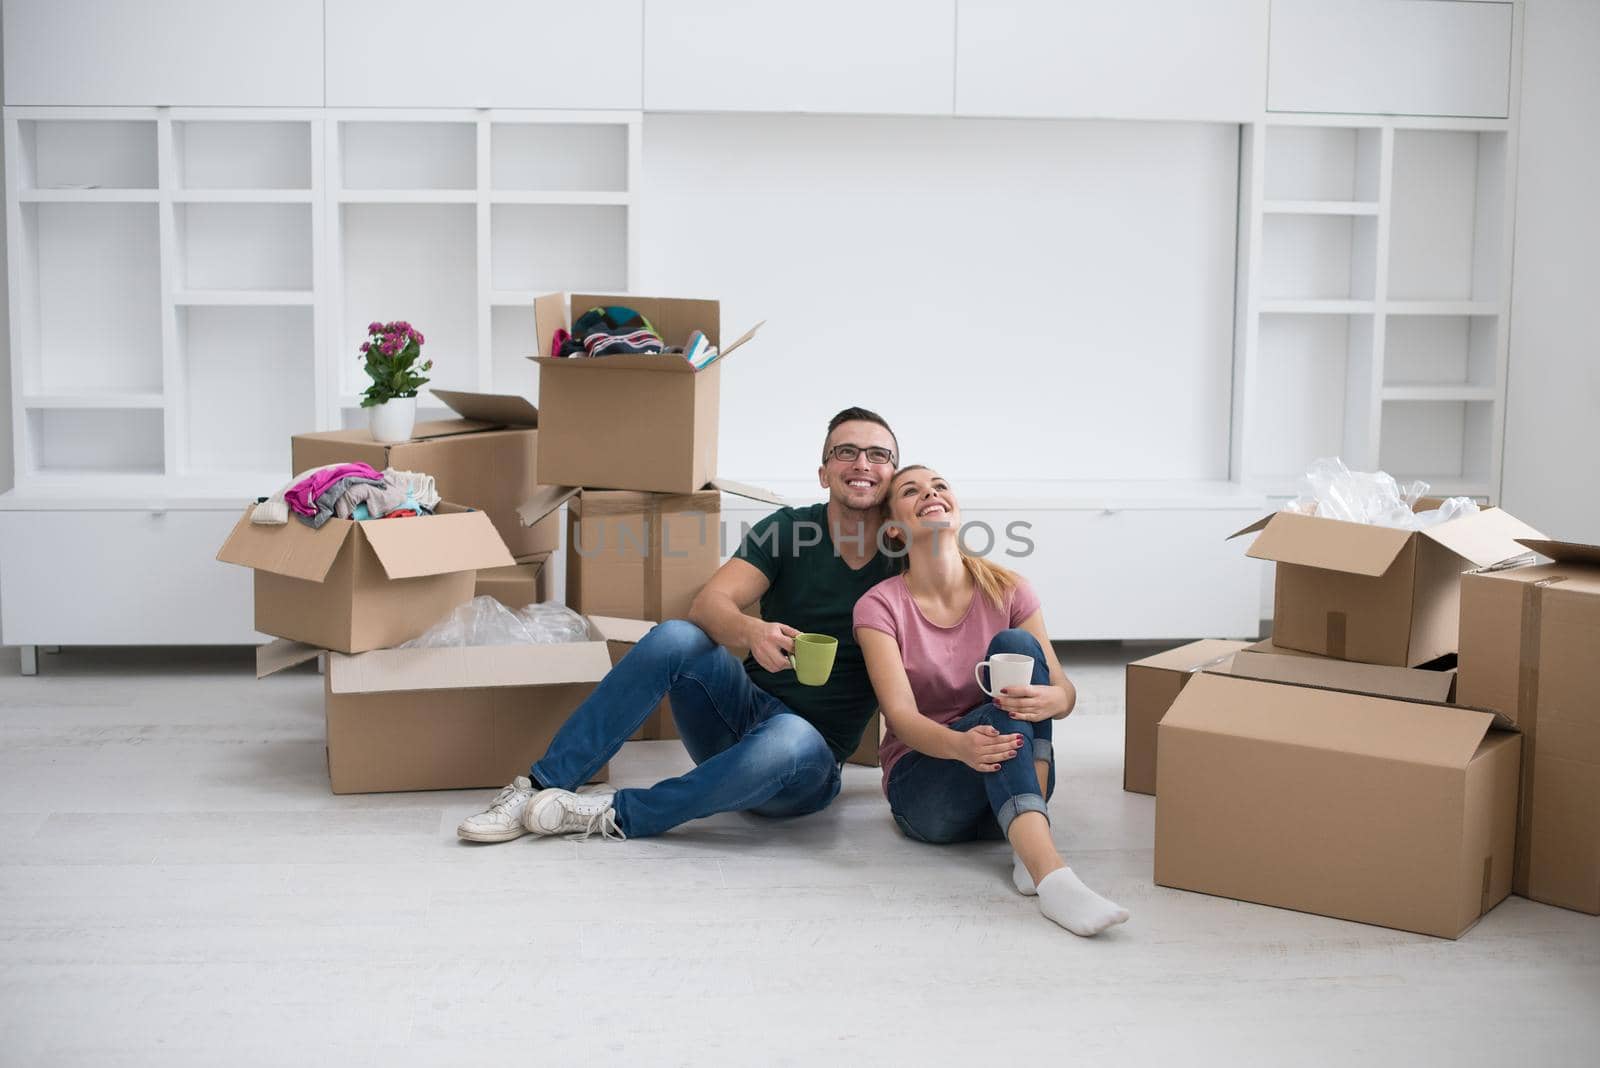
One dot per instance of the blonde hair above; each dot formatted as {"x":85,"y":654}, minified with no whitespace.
{"x":995,"y":582}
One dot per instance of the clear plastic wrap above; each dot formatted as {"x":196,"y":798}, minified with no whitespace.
{"x":1372,"y":497}
{"x":485,"y":621}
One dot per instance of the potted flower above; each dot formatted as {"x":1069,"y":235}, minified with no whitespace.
{"x":390,"y":356}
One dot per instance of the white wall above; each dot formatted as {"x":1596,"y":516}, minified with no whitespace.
{"x":1552,"y":447}
{"x":1021,"y":299}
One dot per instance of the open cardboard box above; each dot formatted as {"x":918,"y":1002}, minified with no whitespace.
{"x":1374,"y":809}
{"x":1153,"y":683}
{"x":1530,"y":649}
{"x":517,"y":586}
{"x":353,"y":586}
{"x":630,"y":422}
{"x":487,"y":459}
{"x":452,"y":719}
{"x":1376,"y":594}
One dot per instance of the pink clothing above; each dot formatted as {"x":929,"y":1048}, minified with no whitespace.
{"x":939,"y":661}
{"x":302,"y":496}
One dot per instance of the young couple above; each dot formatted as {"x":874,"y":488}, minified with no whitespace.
{"x":911,"y":625}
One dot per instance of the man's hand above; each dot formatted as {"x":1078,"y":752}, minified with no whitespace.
{"x":771,"y":644}
{"x":984,"y":749}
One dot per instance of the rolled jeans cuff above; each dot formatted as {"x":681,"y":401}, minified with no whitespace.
{"x":1017,"y":806}
{"x":1043,"y":749}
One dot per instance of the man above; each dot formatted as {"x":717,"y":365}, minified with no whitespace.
{"x":761,"y":741}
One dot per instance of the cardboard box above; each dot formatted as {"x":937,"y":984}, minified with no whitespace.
{"x":356,"y":586}
{"x":486,"y":459}
{"x":452,"y":719}
{"x":1390,"y":812}
{"x":1382,"y":680}
{"x":1152,"y":685}
{"x":630,"y":422}
{"x":1530,"y":649}
{"x":1376,"y":594}
{"x":866,"y":753}
{"x":517,"y":586}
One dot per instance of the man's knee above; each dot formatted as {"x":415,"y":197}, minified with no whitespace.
{"x":1016,"y":640}
{"x":790,"y":744}
{"x":674,"y":640}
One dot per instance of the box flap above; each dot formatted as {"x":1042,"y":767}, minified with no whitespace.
{"x":1195,"y":656}
{"x":1331,"y":544}
{"x":1485,"y":537}
{"x":473,"y":667}
{"x":746,"y":336}
{"x":1563,"y":552}
{"x":1377,"y":679}
{"x":500,"y":409}
{"x":612,"y":629}
{"x":1252,"y":528}
{"x":293,"y":549}
{"x":748,"y":492}
{"x":281,"y":653}
{"x":435,"y":545}
{"x":1379,"y":727}
{"x":541,"y":504}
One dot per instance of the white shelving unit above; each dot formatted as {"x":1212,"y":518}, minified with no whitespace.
{"x":1372,"y":297}
{"x":457,"y":219}
{"x":189,"y":287}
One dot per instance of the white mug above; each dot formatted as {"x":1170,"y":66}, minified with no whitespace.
{"x":1005,"y":669}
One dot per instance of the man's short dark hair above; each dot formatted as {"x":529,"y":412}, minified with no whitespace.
{"x":858,"y":415}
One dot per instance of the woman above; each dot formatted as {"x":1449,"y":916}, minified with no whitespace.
{"x":956,"y":765}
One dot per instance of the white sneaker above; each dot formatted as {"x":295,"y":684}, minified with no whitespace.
{"x":564,"y":812}
{"x":502,"y":820}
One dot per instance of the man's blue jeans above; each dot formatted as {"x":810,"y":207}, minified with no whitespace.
{"x":943,"y":801}
{"x":750,"y":752}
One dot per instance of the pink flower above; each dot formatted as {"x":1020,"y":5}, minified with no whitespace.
{"x":404,"y":328}
{"x":374,"y":328}
{"x":417,"y":337}
{"x":366,"y":346}
{"x":389,"y":348}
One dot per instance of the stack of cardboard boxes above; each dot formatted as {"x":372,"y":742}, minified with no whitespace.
{"x":629,"y":442}
{"x":1354,"y":766}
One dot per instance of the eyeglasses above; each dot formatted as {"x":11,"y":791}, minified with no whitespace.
{"x":846,"y":454}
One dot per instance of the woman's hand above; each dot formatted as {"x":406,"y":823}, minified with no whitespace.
{"x":983,"y":748}
{"x":1032,"y":703}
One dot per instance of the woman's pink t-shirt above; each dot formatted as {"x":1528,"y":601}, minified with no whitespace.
{"x":939,"y":660}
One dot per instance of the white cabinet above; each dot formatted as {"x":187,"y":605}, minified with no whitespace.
{"x":1124,"y":59}
{"x":1391,"y":57}
{"x":846,"y":56}
{"x":483,"y":53}
{"x":1110,"y":560}
{"x":86,"y":576}
{"x":218,"y":52}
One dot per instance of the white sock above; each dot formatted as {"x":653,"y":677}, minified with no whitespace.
{"x":1064,"y":899}
{"x":1020,"y":877}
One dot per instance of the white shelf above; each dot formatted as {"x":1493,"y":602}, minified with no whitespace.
{"x":1448,"y":240}
{"x":1318,"y":307}
{"x":1427,"y":391}
{"x":93,"y":399}
{"x":228,"y":246}
{"x":243,"y":196}
{"x":243,"y":155}
{"x":242,"y":297}
{"x":407,"y":196}
{"x":516,"y":298}
{"x":55,"y":154}
{"x":88,"y":196}
{"x":575,"y":197}
{"x":1320,"y":207}
{"x":1442,"y":307}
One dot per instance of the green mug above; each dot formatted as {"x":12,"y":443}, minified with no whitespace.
{"x":812,"y":658}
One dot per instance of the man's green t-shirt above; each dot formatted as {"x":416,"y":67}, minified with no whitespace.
{"x":815,"y":591}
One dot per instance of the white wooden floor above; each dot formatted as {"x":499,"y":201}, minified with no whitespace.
{"x":178,"y":886}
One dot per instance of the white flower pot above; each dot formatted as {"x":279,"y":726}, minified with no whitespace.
{"x":393,"y":420}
